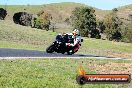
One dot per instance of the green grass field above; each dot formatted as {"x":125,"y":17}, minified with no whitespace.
{"x":104,"y":47}
{"x":46,"y":73}
{"x":16,"y":36}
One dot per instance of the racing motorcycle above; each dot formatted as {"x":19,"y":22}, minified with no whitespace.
{"x":62,"y":45}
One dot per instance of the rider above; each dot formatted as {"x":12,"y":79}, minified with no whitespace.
{"x":77,"y":40}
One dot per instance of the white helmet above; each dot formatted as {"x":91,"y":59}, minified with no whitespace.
{"x":76,"y":32}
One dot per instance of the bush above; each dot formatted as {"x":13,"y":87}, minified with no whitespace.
{"x":42,"y":21}
{"x":101,"y":26}
{"x":113,"y":35}
{"x":22,"y":18}
{"x":3,"y":13}
{"x":95,"y":34}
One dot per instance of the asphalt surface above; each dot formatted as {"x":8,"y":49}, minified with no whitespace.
{"x":34,"y":53}
{"x":21,"y":53}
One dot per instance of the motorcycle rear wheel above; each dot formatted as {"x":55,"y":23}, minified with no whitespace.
{"x":63,"y":52}
{"x":70,"y":52}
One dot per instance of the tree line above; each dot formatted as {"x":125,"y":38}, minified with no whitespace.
{"x":84,"y":19}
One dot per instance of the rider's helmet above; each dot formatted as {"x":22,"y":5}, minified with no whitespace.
{"x":76,"y":32}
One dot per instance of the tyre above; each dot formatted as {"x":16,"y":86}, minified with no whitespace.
{"x":50,"y":49}
{"x":63,"y":52}
{"x":70,"y":52}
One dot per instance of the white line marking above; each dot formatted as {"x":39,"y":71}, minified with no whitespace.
{"x":112,"y":58}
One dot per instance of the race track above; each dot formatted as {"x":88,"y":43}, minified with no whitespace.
{"x":6,"y":53}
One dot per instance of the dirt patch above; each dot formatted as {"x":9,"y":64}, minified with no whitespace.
{"x":111,"y":68}
{"x":122,"y":55}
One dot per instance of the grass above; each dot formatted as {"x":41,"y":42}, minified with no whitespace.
{"x":105,"y":48}
{"x":12,"y":35}
{"x":107,"y":45}
{"x":15,"y":45}
{"x":44,"y":73}
{"x":104,"y":61}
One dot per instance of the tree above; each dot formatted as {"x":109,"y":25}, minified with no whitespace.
{"x":113,"y":26}
{"x":129,"y":35}
{"x":84,"y":19}
{"x":101,"y":26}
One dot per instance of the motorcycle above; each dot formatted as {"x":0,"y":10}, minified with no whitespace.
{"x":62,"y":45}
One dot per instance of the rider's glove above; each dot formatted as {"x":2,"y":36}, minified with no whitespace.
{"x":71,"y":45}
{"x":68,"y":44}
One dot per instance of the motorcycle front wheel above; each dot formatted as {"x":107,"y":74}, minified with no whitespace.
{"x":50,"y":49}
